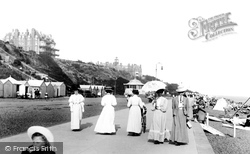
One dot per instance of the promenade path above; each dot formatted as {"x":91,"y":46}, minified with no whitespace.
{"x":86,"y":141}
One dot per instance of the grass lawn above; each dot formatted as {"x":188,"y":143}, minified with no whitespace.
{"x":17,"y":115}
{"x":228,"y":144}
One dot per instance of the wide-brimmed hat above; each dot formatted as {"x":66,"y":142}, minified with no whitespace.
{"x":42,"y":130}
{"x":108,"y":89}
{"x":75,"y":89}
{"x":181,"y":88}
{"x":135,"y":91}
{"x":160,"y":91}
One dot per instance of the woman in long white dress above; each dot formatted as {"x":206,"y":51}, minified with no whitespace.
{"x":157,"y":131}
{"x":76,"y":103}
{"x":135,"y":104}
{"x":105,"y":123}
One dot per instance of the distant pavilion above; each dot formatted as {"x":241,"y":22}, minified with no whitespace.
{"x":133,"y":84}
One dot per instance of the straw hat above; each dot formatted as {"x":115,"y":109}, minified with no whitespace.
{"x":42,"y":130}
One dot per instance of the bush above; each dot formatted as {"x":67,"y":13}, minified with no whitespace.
{"x":26,"y":60}
{"x":17,"y":62}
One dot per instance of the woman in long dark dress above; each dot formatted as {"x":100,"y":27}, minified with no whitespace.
{"x":179,"y":133}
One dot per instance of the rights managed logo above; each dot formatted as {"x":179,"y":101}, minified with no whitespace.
{"x":210,"y":28}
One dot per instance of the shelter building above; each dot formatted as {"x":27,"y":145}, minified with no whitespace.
{"x":133,"y":84}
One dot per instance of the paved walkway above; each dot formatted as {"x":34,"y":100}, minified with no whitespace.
{"x":88,"y":142}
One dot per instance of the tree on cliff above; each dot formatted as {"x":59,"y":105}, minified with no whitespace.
{"x":48,"y":46}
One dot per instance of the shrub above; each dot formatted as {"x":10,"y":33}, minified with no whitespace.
{"x":17,"y":62}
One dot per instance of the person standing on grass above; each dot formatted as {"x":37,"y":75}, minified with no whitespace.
{"x":179,"y":133}
{"x":135,"y":104}
{"x":158,"y":126}
{"x":76,"y":103}
{"x":105,"y":123}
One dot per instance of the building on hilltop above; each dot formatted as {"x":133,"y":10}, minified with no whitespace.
{"x":33,"y":40}
{"x":133,"y":69}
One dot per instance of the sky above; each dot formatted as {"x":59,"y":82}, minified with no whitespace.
{"x":147,"y":33}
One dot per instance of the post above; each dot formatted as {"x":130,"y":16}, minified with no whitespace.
{"x":207,"y":119}
{"x":115,"y":86}
{"x":234,"y":129}
{"x":156,"y":71}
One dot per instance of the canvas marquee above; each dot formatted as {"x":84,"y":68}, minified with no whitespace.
{"x":220,"y":104}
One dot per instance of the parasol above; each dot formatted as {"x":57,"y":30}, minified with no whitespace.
{"x":153,"y":86}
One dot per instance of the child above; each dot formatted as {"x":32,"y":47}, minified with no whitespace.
{"x":200,"y":114}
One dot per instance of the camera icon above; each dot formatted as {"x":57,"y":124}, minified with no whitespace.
{"x":7,"y":148}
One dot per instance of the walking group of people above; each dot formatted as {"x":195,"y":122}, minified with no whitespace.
{"x":170,"y":119}
{"x":170,"y":116}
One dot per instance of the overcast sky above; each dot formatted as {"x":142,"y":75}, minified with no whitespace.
{"x":147,"y":33}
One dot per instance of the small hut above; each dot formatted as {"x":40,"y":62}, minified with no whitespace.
{"x":23,"y":89}
{"x":50,"y":89}
{"x":10,"y":87}
{"x":98,"y":90}
{"x":37,"y":85}
{"x":59,"y":89}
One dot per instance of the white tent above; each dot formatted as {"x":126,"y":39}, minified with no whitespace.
{"x":220,"y":104}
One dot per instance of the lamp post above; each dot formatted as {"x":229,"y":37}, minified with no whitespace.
{"x":156,"y":69}
{"x":115,"y":85}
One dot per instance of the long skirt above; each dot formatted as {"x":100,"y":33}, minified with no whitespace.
{"x":169,"y":120}
{"x":134,"y":120}
{"x":76,"y":116}
{"x":158,"y":127}
{"x":105,"y":122}
{"x":179,"y":128}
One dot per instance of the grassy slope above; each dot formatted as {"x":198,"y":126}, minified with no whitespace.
{"x":69,"y":72}
{"x":228,"y":144}
{"x":5,"y":72}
